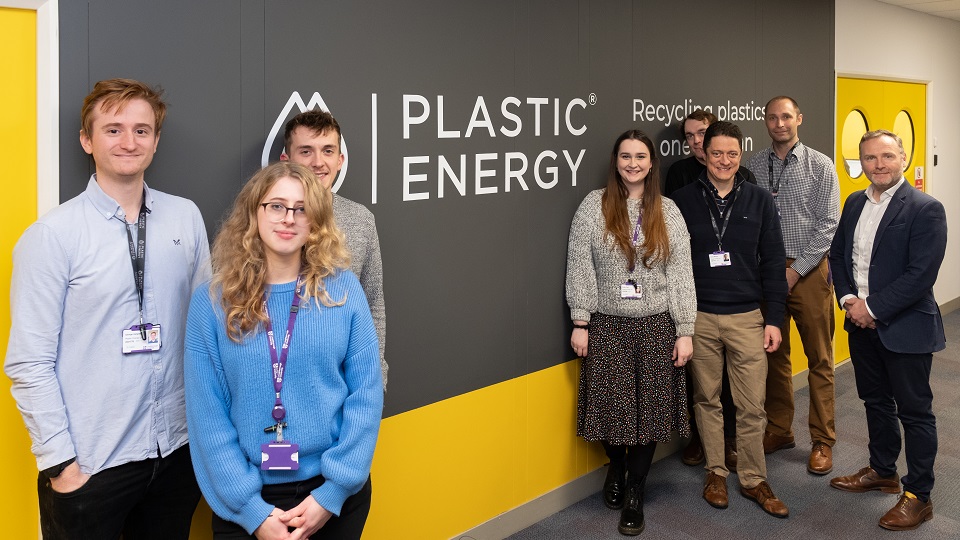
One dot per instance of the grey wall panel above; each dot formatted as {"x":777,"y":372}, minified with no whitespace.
{"x":789,"y":39}
{"x":474,"y":282}
{"x":252,"y":112}
{"x":192,"y":50}
{"x":75,"y":167}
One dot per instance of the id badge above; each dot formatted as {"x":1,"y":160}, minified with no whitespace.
{"x":631,"y":289}
{"x":719,"y":258}
{"x":133,"y":341}
{"x":279,"y":456}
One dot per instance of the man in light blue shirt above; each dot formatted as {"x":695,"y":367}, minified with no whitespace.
{"x":99,"y":298}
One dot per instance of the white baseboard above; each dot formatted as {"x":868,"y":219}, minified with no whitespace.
{"x":550,"y":503}
{"x":544,"y":506}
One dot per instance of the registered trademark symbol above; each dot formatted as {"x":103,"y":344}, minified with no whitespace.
{"x":592,"y":98}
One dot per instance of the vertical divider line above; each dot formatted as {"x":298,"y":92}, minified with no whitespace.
{"x":373,"y":149}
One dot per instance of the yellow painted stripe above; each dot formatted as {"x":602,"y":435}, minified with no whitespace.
{"x":18,"y":153}
{"x":444,"y":468}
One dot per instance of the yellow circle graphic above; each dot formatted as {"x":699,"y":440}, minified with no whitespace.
{"x":854,"y":127}
{"x":903,"y":127}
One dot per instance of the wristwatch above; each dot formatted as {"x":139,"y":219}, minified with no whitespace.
{"x":55,"y":471}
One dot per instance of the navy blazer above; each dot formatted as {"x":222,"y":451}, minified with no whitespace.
{"x":907,"y":252}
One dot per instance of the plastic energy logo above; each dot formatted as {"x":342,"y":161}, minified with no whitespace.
{"x":316,"y":101}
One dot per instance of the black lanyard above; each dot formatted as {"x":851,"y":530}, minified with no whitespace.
{"x":725,"y":215}
{"x":775,"y":188}
{"x":138,"y":255}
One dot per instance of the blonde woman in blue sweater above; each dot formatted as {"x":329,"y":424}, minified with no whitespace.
{"x":283,"y":383}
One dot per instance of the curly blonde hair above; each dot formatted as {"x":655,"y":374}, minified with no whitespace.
{"x":239,"y":264}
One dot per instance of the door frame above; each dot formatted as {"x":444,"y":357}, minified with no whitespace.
{"x":48,"y":99}
{"x":929,"y":171}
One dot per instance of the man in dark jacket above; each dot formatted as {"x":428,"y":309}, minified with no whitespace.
{"x":885,"y":258}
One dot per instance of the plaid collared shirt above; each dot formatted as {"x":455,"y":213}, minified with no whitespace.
{"x":808,"y":201}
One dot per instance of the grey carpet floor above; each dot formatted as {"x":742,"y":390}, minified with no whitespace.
{"x":675,"y":509}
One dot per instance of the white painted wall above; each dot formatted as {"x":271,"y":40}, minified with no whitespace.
{"x":889,"y":42}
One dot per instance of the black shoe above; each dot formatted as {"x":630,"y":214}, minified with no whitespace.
{"x":615,"y":486}
{"x":631,"y":517}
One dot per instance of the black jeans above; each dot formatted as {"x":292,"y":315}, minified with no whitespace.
{"x":150,"y":499}
{"x":347,"y":526}
{"x":896,"y":386}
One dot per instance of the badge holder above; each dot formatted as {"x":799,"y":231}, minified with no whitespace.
{"x":280,"y":455}
{"x":141,"y":338}
{"x":631,"y":289}
{"x":719,"y":258}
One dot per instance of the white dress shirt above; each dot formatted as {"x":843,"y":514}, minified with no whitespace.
{"x":863,"y":237}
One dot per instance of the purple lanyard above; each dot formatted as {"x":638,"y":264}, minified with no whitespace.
{"x":279,"y":362}
{"x":636,"y":229}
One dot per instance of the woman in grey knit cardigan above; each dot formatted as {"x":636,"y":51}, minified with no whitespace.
{"x":633,"y":305}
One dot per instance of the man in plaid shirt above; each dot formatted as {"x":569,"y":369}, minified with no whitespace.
{"x":804,"y":185}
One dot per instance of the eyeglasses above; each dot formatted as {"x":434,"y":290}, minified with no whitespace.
{"x":277,"y":212}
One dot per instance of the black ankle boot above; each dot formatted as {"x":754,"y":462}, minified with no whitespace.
{"x":615,"y":486}
{"x":631,"y":517}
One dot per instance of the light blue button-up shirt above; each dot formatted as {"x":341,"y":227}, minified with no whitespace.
{"x":72,"y":295}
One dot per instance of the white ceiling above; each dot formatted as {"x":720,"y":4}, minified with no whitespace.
{"x":949,"y":9}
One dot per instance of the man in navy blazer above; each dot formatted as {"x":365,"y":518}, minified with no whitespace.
{"x":885,"y":258}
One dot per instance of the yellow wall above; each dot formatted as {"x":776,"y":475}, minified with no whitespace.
{"x":442,"y":469}
{"x":18,"y":153}
{"x":447,"y":467}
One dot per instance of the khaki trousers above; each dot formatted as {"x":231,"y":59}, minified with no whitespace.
{"x":740,"y":337}
{"x":810,"y":305}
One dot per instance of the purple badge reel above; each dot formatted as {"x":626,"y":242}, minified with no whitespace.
{"x":280,"y":456}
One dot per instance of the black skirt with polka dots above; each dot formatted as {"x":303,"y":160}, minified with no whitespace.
{"x":630,"y":392}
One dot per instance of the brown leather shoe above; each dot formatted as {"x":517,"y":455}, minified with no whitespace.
{"x":730,"y":454}
{"x":715,"y":490}
{"x":772,"y":443}
{"x":821,"y":458}
{"x":907,"y":514}
{"x":764,"y":496}
{"x":867,"y":479}
{"x":693,"y":453}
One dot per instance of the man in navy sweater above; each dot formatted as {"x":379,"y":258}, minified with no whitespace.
{"x":738,"y":267}
{"x":681,"y":173}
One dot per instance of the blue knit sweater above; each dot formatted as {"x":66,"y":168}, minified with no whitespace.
{"x":332,"y":391}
